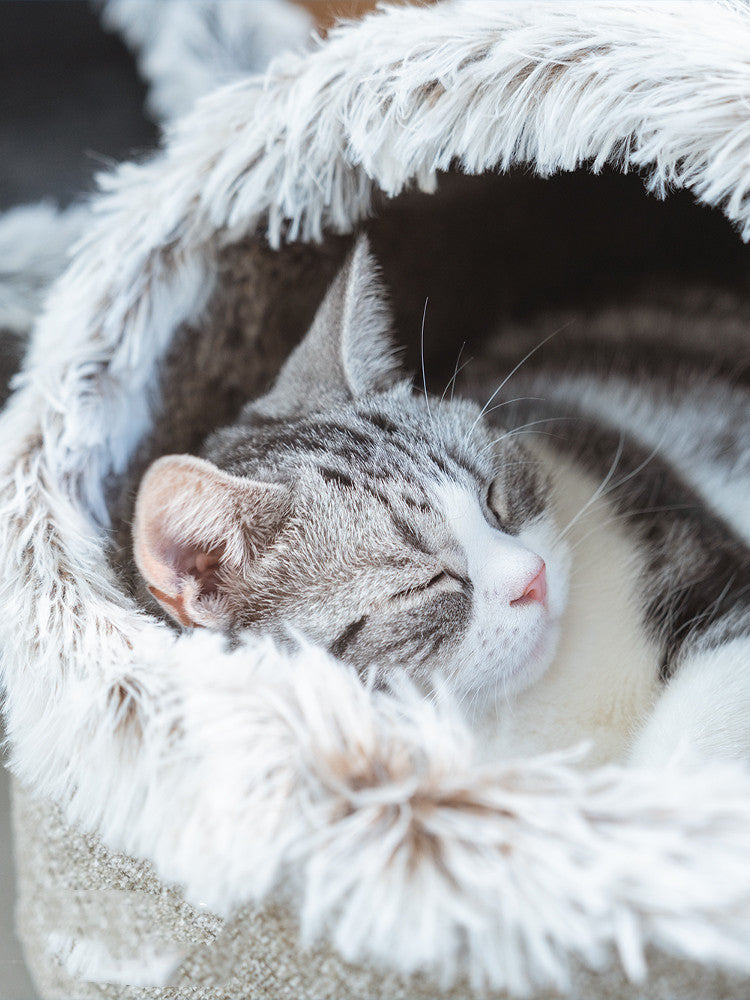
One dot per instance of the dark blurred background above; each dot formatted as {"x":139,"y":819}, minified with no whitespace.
{"x":71,"y":101}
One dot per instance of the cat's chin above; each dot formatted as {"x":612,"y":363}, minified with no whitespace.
{"x":539,"y":660}
{"x":508,"y":676}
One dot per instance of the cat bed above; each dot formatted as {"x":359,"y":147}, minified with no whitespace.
{"x":197,"y":821}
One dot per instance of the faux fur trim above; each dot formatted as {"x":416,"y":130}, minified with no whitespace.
{"x":239,"y":772}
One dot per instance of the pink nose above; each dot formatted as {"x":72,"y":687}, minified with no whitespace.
{"x":535,"y":590}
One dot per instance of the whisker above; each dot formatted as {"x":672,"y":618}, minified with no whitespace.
{"x":453,"y":387}
{"x":602,"y":492}
{"x":514,"y":370}
{"x":632,"y":513}
{"x":550,"y":434}
{"x":649,"y":458}
{"x":474,"y":703}
{"x":709,"y":613}
{"x":598,"y":491}
{"x":452,"y":382}
{"x":518,"y":399}
{"x":424,"y":376}
{"x":523,"y":427}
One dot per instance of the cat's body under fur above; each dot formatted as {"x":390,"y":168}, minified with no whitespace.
{"x":400,"y":530}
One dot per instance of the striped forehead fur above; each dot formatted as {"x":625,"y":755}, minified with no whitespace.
{"x":382,"y":438}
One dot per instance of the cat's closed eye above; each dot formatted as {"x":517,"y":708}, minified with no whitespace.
{"x":444,"y":581}
{"x":497,"y":503}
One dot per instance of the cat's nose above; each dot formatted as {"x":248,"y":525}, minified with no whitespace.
{"x":535,"y":591}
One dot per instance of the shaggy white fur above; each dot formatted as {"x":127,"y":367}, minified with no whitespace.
{"x":237,"y":772}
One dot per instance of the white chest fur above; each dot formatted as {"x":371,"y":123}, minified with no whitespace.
{"x":603,"y":681}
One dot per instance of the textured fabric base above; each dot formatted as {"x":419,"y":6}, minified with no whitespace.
{"x":125,"y":920}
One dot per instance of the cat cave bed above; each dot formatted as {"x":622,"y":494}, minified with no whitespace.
{"x":197,"y":821}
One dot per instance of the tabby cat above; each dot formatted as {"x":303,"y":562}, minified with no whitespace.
{"x":589,"y":581}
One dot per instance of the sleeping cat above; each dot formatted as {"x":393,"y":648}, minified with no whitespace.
{"x":567,"y":585}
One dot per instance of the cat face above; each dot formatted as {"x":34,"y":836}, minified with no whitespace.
{"x":391,"y":528}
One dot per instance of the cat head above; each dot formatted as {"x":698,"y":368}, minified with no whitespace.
{"x":394,"y":528}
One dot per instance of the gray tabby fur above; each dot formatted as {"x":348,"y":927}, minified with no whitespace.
{"x":401,"y":530}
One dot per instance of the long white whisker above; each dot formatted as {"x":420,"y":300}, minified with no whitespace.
{"x":632,"y":513}
{"x":601,"y":492}
{"x":452,"y":382}
{"x":516,"y":430}
{"x":513,"y":372}
{"x":710,"y":612}
{"x":650,"y":457}
{"x":598,"y":491}
{"x":424,"y":376}
{"x":453,"y":387}
{"x":518,"y":399}
{"x":605,"y":492}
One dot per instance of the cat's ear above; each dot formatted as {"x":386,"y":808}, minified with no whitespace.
{"x":196,"y":528}
{"x":347,"y":351}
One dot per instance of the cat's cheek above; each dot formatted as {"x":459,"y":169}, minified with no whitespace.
{"x":504,"y":653}
{"x":523,"y":669}
{"x":542,"y":655}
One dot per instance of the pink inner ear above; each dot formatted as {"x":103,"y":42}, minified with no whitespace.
{"x":193,"y":520}
{"x":204,"y":567}
{"x":205,"y":561}
{"x":175,"y":606}
{"x":200,"y":567}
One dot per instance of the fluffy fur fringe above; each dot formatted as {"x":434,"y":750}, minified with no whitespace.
{"x":237,"y":773}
